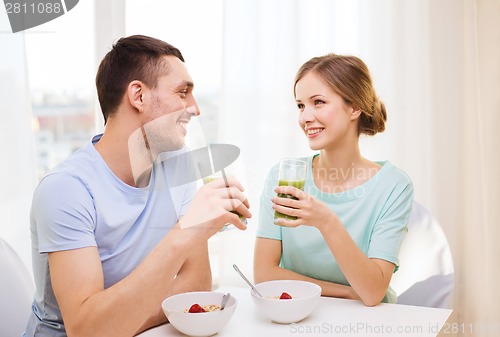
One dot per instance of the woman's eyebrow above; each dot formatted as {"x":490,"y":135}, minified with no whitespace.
{"x":312,"y":97}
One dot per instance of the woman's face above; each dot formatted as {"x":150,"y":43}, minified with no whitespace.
{"x":325,"y":118}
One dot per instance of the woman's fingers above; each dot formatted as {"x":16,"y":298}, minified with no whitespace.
{"x":286,"y":210}
{"x":291,"y":190}
{"x":289,"y":223}
{"x":295,"y":207}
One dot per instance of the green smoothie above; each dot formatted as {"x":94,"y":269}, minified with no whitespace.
{"x":209,"y":179}
{"x":295,"y":183}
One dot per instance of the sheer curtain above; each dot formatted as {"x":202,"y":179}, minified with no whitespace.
{"x":436,"y":66}
{"x":264,"y":44}
{"x":17,"y":169}
{"x":477,"y":232}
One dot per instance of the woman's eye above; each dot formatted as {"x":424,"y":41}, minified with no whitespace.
{"x":300,"y":106}
{"x":318,"y":101}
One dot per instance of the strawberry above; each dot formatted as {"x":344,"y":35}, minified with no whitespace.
{"x":195,"y":308}
{"x":285,"y":296}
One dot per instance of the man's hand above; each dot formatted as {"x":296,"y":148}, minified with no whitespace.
{"x":210,"y":209}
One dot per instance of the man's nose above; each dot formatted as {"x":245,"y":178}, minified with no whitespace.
{"x":193,"y":108}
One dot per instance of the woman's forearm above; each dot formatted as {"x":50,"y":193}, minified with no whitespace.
{"x":369,"y":278}
{"x":329,"y":289}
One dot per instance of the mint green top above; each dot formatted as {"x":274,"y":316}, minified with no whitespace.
{"x":375,"y":214}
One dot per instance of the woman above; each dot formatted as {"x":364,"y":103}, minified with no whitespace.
{"x":352,"y":214}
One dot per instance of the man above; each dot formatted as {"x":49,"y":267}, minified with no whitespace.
{"x":111,"y":237}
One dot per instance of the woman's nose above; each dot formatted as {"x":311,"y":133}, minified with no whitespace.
{"x":306,"y":115}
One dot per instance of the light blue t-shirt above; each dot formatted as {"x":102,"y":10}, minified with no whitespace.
{"x":81,"y":203}
{"x":375,"y":214}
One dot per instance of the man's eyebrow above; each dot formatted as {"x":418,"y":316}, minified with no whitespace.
{"x":183,"y":84}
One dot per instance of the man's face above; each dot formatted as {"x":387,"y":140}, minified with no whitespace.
{"x":168,"y":108}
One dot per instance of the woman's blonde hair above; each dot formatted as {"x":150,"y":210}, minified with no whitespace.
{"x":350,"y":78}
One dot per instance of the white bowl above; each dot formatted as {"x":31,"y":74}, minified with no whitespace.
{"x":198,"y":324}
{"x":305,"y":297}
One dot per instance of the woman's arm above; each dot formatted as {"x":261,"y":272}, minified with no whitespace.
{"x":369,"y":278}
{"x":267,"y":255}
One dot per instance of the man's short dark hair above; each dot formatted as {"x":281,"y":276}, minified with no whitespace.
{"x":136,"y":57}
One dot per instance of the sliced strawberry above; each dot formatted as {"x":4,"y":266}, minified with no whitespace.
{"x":285,"y":296}
{"x":195,"y":308}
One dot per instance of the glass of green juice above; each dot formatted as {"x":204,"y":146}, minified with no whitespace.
{"x":292,"y":172}
{"x":227,"y":172}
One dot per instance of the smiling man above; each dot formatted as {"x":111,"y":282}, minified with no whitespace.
{"x":107,"y":244}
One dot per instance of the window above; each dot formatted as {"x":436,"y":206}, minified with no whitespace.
{"x":196,"y":28}
{"x":60,"y":57}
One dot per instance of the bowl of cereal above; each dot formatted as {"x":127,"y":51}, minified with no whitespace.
{"x":198,"y":313}
{"x":286,"y":301}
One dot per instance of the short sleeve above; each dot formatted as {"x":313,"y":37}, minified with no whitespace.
{"x":63,"y":213}
{"x":189,"y":194}
{"x":391,"y":227}
{"x":267,"y":228}
{"x":179,"y":169}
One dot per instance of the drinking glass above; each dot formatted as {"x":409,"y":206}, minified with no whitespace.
{"x":292,"y":172}
{"x":223,"y":174}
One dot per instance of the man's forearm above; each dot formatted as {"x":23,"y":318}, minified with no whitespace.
{"x":195,"y":275}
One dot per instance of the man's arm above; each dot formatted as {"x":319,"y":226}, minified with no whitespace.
{"x":123,"y":309}
{"x":194,"y":275}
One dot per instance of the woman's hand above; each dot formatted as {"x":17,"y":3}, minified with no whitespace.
{"x":308,"y":210}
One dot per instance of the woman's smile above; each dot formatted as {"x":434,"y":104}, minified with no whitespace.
{"x":313,"y":132}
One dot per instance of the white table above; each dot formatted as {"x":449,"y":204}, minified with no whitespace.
{"x":333,"y":317}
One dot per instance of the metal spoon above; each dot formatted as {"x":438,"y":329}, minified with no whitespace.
{"x":246,"y":280}
{"x":225,"y":298}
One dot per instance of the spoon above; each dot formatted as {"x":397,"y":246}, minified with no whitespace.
{"x":225,"y":298}
{"x":246,"y":280}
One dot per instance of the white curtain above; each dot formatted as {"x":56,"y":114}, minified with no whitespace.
{"x":17,"y":168}
{"x":436,"y":65}
{"x":477,"y":230}
{"x":264,"y":44}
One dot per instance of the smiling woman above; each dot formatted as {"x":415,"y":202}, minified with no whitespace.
{"x":346,"y":242}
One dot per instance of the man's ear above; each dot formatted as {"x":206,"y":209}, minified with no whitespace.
{"x":135,"y":94}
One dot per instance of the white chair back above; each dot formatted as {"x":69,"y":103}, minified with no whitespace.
{"x":426,"y":274}
{"x":16,"y":292}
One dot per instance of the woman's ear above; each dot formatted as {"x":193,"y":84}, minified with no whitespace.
{"x":135,"y":94}
{"x":355,"y":113}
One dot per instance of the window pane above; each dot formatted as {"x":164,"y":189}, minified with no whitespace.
{"x":60,"y":56}
{"x":195,"y":27}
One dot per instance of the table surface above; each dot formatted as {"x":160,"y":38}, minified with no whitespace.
{"x":332,"y":317}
